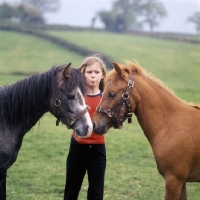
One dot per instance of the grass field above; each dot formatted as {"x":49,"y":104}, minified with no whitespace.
{"x":27,"y":54}
{"x":39,"y":172}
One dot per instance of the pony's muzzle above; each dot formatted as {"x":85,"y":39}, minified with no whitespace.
{"x":83,"y":133}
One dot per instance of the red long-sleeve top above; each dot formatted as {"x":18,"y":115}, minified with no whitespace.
{"x":93,"y":102}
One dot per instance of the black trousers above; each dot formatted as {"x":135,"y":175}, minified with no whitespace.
{"x":84,"y":158}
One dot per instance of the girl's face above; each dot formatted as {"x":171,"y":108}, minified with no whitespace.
{"x":93,"y":75}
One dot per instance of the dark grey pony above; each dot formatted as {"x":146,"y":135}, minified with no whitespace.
{"x":59,"y":90}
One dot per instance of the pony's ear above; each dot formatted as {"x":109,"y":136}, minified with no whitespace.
{"x":117,"y":69}
{"x":67,"y":70}
{"x":81,"y":67}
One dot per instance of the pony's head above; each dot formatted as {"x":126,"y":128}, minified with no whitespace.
{"x":68,"y":104}
{"x":115,"y":106}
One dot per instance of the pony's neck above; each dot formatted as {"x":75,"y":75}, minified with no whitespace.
{"x":155,"y":106}
{"x":25,"y":102}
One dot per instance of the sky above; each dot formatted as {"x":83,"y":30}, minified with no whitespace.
{"x":80,"y":13}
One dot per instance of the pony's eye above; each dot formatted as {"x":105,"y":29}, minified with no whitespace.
{"x":112,"y":94}
{"x":71,"y":96}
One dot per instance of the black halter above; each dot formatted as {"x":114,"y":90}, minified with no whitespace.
{"x":124,"y":100}
{"x":58,"y":104}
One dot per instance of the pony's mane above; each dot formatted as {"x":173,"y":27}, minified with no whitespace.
{"x":27,"y":99}
{"x":135,"y":68}
{"x":19,"y":101}
{"x":76,"y":79}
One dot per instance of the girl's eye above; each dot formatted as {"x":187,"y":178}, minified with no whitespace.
{"x":112,"y":94}
{"x":71,"y":96}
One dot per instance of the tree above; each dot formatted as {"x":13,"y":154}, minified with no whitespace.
{"x":6,"y":11}
{"x":152,"y":12}
{"x":28,"y":14}
{"x":44,"y":6}
{"x":21,"y":13}
{"x":127,"y":12}
{"x":108,"y":18}
{"x":195,"y":19}
{"x":93,"y":20}
{"x":122,"y":15}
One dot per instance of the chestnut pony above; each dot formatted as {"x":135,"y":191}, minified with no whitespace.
{"x":171,"y":125}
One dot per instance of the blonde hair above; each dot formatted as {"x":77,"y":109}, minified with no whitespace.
{"x":96,"y":58}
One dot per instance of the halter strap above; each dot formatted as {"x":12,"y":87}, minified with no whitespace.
{"x":71,"y":119}
{"x":122,"y":102}
{"x":58,"y":105}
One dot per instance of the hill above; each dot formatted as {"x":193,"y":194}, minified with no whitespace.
{"x":23,"y":54}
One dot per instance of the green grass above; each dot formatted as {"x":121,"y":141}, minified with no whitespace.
{"x":39,"y":172}
{"x":27,"y":54}
{"x":8,"y":79}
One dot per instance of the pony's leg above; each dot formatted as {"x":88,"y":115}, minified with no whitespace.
{"x":3,"y":186}
{"x":173,"y":188}
{"x":183,"y":195}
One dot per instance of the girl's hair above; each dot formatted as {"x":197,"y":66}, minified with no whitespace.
{"x":96,"y":58}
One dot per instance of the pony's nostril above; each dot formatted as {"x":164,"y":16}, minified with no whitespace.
{"x":87,"y":129}
{"x":77,"y":132}
{"x":94,"y":125}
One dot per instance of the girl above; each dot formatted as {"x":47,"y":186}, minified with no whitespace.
{"x":88,"y":154}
